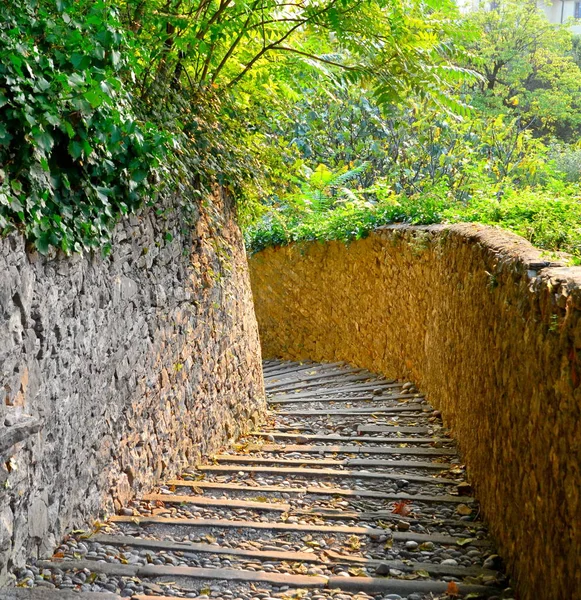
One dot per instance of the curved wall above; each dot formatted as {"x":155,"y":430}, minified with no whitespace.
{"x":490,"y":330}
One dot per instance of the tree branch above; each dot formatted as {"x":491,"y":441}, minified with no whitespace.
{"x":317,"y":58}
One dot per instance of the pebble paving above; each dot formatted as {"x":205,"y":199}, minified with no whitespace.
{"x":351,"y":490}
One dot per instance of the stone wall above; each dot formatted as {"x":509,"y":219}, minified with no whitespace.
{"x":117,"y":371}
{"x":491,"y":332}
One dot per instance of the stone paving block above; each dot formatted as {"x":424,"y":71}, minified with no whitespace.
{"x":42,"y":593}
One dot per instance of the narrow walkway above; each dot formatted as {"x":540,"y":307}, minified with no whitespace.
{"x":351,"y":490}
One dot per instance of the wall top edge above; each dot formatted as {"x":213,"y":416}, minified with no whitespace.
{"x":511,"y":249}
{"x":508,"y":249}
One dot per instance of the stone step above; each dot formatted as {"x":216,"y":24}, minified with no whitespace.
{"x":349,"y":462}
{"x":269,"y":555}
{"x":311,"y":557}
{"x":326,"y":491}
{"x":233,"y":575}
{"x":253,"y":525}
{"x":322,"y":512}
{"x":306,"y":368}
{"x":42,"y":593}
{"x":288,"y":448}
{"x":305,"y":377}
{"x":299,"y":367}
{"x":279,"y":363}
{"x":372,"y":428}
{"x":291,"y":400}
{"x":305,"y":383}
{"x":385,"y":585}
{"x":373,"y":532}
{"x":210,"y":485}
{"x":353,"y":438}
{"x":157,"y":571}
{"x":355,"y":584}
{"x":219,"y":502}
{"x":379,"y":515}
{"x":421,"y":408}
{"x":167,"y":546}
{"x":385,"y":385}
{"x":411,"y":567}
{"x":305,"y":472}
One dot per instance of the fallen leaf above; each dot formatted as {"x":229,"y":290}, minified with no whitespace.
{"x":464,"y":510}
{"x":354,"y":542}
{"x":453,"y":590}
{"x":401,"y":508}
{"x":464,"y":541}
{"x":464,"y":488}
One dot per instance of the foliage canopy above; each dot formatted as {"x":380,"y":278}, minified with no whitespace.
{"x":513,"y":160}
{"x":323,"y":117}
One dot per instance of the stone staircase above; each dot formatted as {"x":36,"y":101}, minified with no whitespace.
{"x":351,"y":490}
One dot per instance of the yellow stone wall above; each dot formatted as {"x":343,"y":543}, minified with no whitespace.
{"x":490,"y":330}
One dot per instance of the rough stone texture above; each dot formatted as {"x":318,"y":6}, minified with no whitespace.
{"x":117,"y":371}
{"x":490,"y":330}
{"x":44,"y":594}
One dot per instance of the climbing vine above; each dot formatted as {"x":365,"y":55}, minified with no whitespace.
{"x":73,"y":154}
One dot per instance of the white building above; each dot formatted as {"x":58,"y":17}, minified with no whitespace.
{"x":562,"y":10}
{"x":558,"y":11}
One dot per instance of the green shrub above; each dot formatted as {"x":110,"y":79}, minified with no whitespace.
{"x":550,"y":219}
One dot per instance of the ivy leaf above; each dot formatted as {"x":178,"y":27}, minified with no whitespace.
{"x":75,"y":150}
{"x":5,"y":136}
{"x":115,"y":58}
{"x":94,"y":98}
{"x":42,"y":243}
{"x":44,"y":141}
{"x":80,"y":61}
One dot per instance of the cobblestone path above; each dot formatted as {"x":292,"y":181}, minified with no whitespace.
{"x":351,"y":490}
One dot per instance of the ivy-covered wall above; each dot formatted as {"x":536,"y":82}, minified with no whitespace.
{"x":490,"y":330}
{"x":117,"y":371}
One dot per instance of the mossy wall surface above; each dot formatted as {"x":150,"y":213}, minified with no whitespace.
{"x":490,"y":330}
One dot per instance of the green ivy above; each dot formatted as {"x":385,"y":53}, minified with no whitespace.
{"x":73,"y":155}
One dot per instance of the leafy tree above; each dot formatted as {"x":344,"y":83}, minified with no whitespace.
{"x":82,"y":81}
{"x":527,"y":67}
{"x":394,"y":44}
